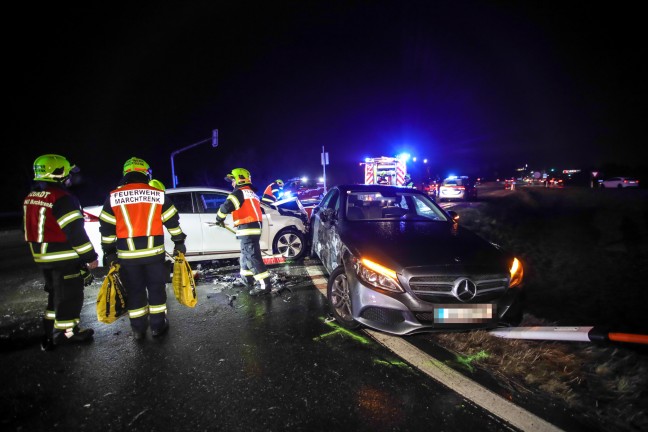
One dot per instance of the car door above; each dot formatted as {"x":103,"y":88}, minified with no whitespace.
{"x":215,"y":239}
{"x":189,"y":222}
{"x":325,"y":236}
{"x":265,"y":242}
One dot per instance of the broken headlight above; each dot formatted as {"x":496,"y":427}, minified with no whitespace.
{"x":517,"y":273}
{"x":374,"y":274}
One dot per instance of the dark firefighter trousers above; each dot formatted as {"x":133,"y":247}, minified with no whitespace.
{"x":145,"y":286}
{"x":253,"y":269}
{"x":64,"y":287}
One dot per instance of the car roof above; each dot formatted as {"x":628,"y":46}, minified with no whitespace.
{"x":377,"y":188}
{"x":197,"y":189}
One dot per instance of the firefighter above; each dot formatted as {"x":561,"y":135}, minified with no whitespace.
{"x":54,"y":230}
{"x":408,"y":181}
{"x":132,"y":225}
{"x":273,"y":192}
{"x":245,"y":207}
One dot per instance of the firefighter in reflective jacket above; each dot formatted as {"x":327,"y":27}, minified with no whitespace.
{"x":273,"y":191}
{"x":132,"y":224}
{"x":54,"y":229}
{"x":245,"y":207}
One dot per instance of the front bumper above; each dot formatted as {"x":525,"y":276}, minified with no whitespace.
{"x":405,"y":313}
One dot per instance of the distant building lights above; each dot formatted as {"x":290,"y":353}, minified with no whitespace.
{"x":424,"y":160}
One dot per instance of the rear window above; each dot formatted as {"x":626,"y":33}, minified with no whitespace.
{"x":456,"y":182}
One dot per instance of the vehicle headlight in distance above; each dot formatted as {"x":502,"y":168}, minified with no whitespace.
{"x":377,"y":275}
{"x":517,"y":273}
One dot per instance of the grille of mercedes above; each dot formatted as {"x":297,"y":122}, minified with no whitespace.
{"x":438,"y":288}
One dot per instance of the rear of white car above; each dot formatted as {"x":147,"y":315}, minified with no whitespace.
{"x":619,"y":182}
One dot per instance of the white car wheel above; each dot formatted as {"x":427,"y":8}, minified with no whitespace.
{"x":290,"y":244}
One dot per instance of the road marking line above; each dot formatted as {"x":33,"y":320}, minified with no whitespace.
{"x":466,"y":387}
{"x":492,"y":402}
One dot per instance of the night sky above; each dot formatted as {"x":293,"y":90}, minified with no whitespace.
{"x":475,"y":87}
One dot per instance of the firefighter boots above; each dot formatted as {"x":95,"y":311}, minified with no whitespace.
{"x":73,"y":335}
{"x":162,"y":330}
{"x":258,"y":291}
{"x":47,"y":341}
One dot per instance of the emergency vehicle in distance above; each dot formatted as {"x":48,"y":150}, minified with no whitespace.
{"x":385,"y":171}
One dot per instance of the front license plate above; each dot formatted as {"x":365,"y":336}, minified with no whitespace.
{"x":465,"y":314}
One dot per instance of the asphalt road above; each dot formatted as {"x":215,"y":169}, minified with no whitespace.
{"x":231,"y":363}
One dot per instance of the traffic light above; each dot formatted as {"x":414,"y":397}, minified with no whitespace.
{"x":215,"y":138}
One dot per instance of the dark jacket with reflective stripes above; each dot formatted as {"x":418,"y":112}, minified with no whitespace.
{"x":132,"y":218}
{"x":54,"y":226}
{"x":245,"y":207}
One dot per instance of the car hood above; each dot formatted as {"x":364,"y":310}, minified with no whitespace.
{"x":414,"y":244}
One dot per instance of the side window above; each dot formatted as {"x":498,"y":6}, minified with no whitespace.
{"x":402,"y":203}
{"x":334,"y":202}
{"x":327,"y":199}
{"x":182,"y":202}
{"x":211,"y":201}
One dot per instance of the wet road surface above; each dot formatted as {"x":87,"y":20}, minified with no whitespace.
{"x":232,"y":363}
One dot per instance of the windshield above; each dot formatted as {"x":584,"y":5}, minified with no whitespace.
{"x":362,"y":205}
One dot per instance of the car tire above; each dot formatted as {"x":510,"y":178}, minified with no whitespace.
{"x":619,"y":186}
{"x":339,"y":298}
{"x":290,"y":243}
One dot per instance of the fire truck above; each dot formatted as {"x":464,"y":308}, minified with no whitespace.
{"x":385,"y":170}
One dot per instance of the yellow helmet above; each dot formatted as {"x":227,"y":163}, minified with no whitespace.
{"x":52,"y":168}
{"x":279,"y":182}
{"x":241,"y":175}
{"x":157,"y":184}
{"x":135,"y":164}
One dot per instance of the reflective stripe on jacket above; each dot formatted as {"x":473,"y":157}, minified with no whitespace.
{"x":54,"y":227}
{"x":132,"y":223}
{"x":245,"y":207}
{"x":137,"y":209}
{"x":271,"y":193}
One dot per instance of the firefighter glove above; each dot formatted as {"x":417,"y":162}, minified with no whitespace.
{"x":179,"y":248}
{"x":220,"y":222}
{"x":86,"y":275}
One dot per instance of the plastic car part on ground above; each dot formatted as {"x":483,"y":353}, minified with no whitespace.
{"x":570,"y":333}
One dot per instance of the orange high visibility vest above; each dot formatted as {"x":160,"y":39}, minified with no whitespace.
{"x":250,"y":209}
{"x":138,"y":210}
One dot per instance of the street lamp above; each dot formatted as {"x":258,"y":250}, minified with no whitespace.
{"x":213,"y":139}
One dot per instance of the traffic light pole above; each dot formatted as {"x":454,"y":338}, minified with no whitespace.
{"x":213,"y":139}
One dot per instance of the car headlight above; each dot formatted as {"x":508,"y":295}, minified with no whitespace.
{"x":379,"y":276}
{"x":517,"y":273}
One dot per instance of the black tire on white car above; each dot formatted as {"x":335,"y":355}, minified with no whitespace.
{"x":290,"y":243}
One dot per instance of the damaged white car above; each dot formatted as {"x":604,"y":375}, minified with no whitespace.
{"x":284,"y":228}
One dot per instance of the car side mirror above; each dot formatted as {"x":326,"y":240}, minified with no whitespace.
{"x":454,"y":215}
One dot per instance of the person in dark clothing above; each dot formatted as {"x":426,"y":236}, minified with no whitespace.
{"x":59,"y":244}
{"x":245,"y":207}
{"x":132,"y":224}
